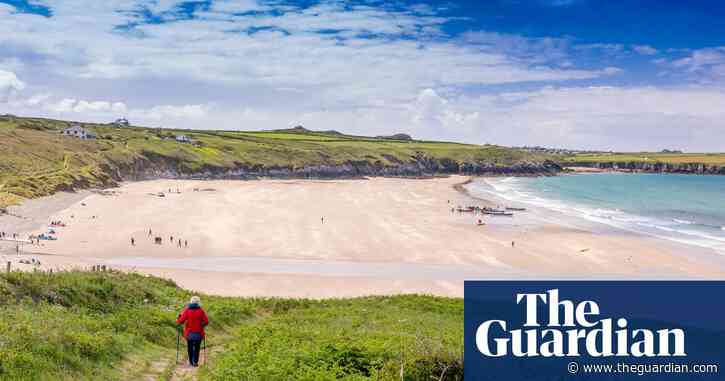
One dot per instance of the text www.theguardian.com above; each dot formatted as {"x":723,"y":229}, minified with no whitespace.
{"x":642,"y":369}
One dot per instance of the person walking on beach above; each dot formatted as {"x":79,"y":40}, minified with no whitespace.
{"x":133,"y":242}
{"x":194,"y":319}
{"x":149,"y":232}
{"x":322,"y":220}
{"x":179,"y":242}
{"x":186,"y":243}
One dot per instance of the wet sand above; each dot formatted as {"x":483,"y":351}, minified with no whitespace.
{"x":340,"y":238}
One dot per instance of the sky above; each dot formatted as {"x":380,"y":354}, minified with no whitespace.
{"x":585,"y":74}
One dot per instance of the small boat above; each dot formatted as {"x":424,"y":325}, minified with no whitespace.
{"x":516,"y":209}
{"x":498,"y":213}
{"x":464,"y":210}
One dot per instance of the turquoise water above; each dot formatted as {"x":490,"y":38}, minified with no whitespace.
{"x":684,"y":208}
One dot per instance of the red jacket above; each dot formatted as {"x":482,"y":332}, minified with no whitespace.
{"x":195,"y":319}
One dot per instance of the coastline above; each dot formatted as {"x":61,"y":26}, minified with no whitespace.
{"x":379,"y":236}
{"x":694,"y":168}
{"x":610,"y":169}
{"x":605,"y":218}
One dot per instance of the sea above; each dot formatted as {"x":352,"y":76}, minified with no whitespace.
{"x":689,"y":209}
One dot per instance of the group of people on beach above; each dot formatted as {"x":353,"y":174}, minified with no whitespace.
{"x":158,"y":240}
{"x":4,"y":235}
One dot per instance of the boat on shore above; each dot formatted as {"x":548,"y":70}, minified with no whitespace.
{"x":499,"y":213}
{"x":496,"y":212}
{"x":515,"y":209}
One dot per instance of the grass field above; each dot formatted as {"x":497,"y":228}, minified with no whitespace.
{"x":650,"y":157}
{"x":113,"y":326}
{"x":38,"y":161}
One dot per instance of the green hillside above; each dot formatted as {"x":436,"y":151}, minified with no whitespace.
{"x":654,"y":162}
{"x":37,"y":160}
{"x":113,"y":326}
{"x":651,"y":157}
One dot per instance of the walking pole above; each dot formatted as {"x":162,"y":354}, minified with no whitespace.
{"x":177,"y":344}
{"x":203,"y":343}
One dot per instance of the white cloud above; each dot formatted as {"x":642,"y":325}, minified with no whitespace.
{"x":236,"y":6}
{"x":161,"y":113}
{"x":6,"y":9}
{"x":603,"y":118}
{"x":85,"y":106}
{"x":62,"y":106}
{"x":645,"y":50}
{"x":376,"y":70}
{"x":702,"y":59}
{"x":79,"y":41}
{"x":70,"y":105}
{"x":9,"y":84}
{"x":606,"y":48}
{"x":705,"y":66}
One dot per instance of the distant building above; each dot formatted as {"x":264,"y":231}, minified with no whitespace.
{"x":560,"y":151}
{"x":183,"y":139}
{"x":122,"y":122}
{"x":79,"y":132}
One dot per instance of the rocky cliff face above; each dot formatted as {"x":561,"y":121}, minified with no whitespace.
{"x":691,"y":168}
{"x":419,"y":167}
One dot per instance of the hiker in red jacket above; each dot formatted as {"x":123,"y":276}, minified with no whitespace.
{"x":195,"y":319}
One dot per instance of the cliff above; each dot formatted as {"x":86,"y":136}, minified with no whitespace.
{"x":658,"y":167}
{"x":419,"y":166}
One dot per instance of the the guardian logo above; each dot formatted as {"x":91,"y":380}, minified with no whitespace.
{"x":571,"y":330}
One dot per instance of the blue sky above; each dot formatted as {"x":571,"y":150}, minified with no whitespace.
{"x":624,"y":75}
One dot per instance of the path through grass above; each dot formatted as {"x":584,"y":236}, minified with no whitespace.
{"x":113,"y":326}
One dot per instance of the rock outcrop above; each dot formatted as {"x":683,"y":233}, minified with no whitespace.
{"x":399,"y":136}
{"x":687,"y":168}
{"x":420,"y":166}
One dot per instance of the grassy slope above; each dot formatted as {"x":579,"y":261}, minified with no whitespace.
{"x":37,"y":161}
{"x":717,"y":159}
{"x":86,"y":326}
{"x":358,"y":339}
{"x":78,"y":325}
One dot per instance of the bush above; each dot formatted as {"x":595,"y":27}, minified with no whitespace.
{"x":355,"y":339}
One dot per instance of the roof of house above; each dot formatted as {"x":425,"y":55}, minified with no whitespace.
{"x":78,"y":128}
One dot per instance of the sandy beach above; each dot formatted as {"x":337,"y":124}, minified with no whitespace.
{"x":334,"y":238}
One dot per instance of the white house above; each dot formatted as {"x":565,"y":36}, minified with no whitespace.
{"x":183,"y":139}
{"x":77,"y":131}
{"x":121,"y":122}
